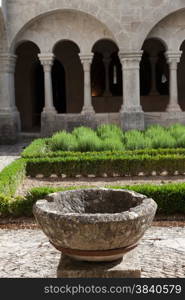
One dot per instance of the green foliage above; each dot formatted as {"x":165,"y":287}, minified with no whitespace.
{"x":37,"y":148}
{"x":63,"y":141}
{"x":169,"y":197}
{"x":160,"y":137}
{"x":110,"y":131}
{"x":120,"y":164}
{"x":89,"y":142}
{"x":112,"y":144}
{"x":135,"y":139}
{"x":12,"y":176}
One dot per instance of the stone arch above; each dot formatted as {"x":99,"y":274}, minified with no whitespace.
{"x":171,"y":30}
{"x":47,"y":29}
{"x":3,"y":34}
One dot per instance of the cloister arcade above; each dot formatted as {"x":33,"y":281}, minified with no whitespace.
{"x":67,"y":68}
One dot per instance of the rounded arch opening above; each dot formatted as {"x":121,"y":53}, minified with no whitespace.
{"x":154,"y":76}
{"x":181,"y":77}
{"x":29,"y":85}
{"x":106,"y":77}
{"x":67,"y":75}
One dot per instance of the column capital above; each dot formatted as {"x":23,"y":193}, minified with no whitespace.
{"x":7,"y":62}
{"x":46,"y":60}
{"x":86,"y":60}
{"x":131,"y":59}
{"x":173,"y":57}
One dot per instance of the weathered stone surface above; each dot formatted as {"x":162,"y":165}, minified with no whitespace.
{"x":95,"y":219}
{"x":127,"y":267}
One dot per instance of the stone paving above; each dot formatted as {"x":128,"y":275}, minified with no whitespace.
{"x":27,"y":253}
{"x":10,"y":153}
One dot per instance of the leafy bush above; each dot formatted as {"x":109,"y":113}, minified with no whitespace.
{"x":37,"y":148}
{"x":134,"y":140}
{"x":169,"y":197}
{"x":110,"y":131}
{"x":176,"y":130}
{"x":83,"y":131}
{"x":123,"y":165}
{"x":90,"y":142}
{"x":112,"y":144}
{"x":63,"y":141}
{"x":160,"y":137}
{"x":12,"y":176}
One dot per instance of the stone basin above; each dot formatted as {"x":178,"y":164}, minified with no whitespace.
{"x":95,"y":224}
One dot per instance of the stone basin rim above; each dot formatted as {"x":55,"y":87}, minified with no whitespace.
{"x":136,"y":212}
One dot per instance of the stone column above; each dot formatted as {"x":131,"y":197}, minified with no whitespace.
{"x":9,"y":116}
{"x":153,"y":61}
{"x":7,"y":71}
{"x":86,"y":62}
{"x":106,"y":61}
{"x":131,"y":110}
{"x":173,"y":59}
{"x":46,"y":60}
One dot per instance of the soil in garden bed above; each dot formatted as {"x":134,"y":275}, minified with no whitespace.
{"x":30,"y":183}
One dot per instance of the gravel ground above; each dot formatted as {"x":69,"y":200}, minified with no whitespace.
{"x":10,"y":153}
{"x":27,"y":253}
{"x":30,"y":183}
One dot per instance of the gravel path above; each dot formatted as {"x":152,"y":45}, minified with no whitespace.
{"x":27,"y":253}
{"x":10,"y":153}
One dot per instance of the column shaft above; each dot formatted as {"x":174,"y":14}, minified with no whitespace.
{"x":86,"y":62}
{"x":7,"y":86}
{"x":173,"y":60}
{"x":47,"y":63}
{"x":131,"y":81}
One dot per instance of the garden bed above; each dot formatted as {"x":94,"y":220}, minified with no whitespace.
{"x":45,"y":168}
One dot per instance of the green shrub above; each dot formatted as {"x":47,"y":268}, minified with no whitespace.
{"x":160,"y":137}
{"x":134,"y":140}
{"x":109,"y":131}
{"x":36,"y":148}
{"x":180,"y":141}
{"x":169,"y":197}
{"x":63,"y":141}
{"x":83,"y":131}
{"x":89,"y":142}
{"x":12,"y":176}
{"x":177,"y":130}
{"x":123,"y":165}
{"x":112,"y":144}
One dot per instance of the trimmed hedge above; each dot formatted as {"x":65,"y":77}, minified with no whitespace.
{"x":12,"y":176}
{"x":169,"y":197}
{"x":38,"y":149}
{"x":121,"y":165}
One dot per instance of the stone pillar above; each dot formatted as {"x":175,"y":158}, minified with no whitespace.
{"x":9,"y":116}
{"x":173,"y":59}
{"x":46,"y":60}
{"x":106,"y":61}
{"x":131,"y":111}
{"x":86,"y":62}
{"x":153,"y":61}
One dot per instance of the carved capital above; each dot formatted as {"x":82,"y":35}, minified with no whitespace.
{"x":130,"y":60}
{"x":46,"y":60}
{"x":86,"y":60}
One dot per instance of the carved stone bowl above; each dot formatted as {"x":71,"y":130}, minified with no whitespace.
{"x":95,"y":224}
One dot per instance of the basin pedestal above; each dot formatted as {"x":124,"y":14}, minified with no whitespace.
{"x":126,"y":267}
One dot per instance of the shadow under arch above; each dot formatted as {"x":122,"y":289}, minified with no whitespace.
{"x":29,"y":85}
{"x":68,"y":80}
{"x":154,"y":76}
